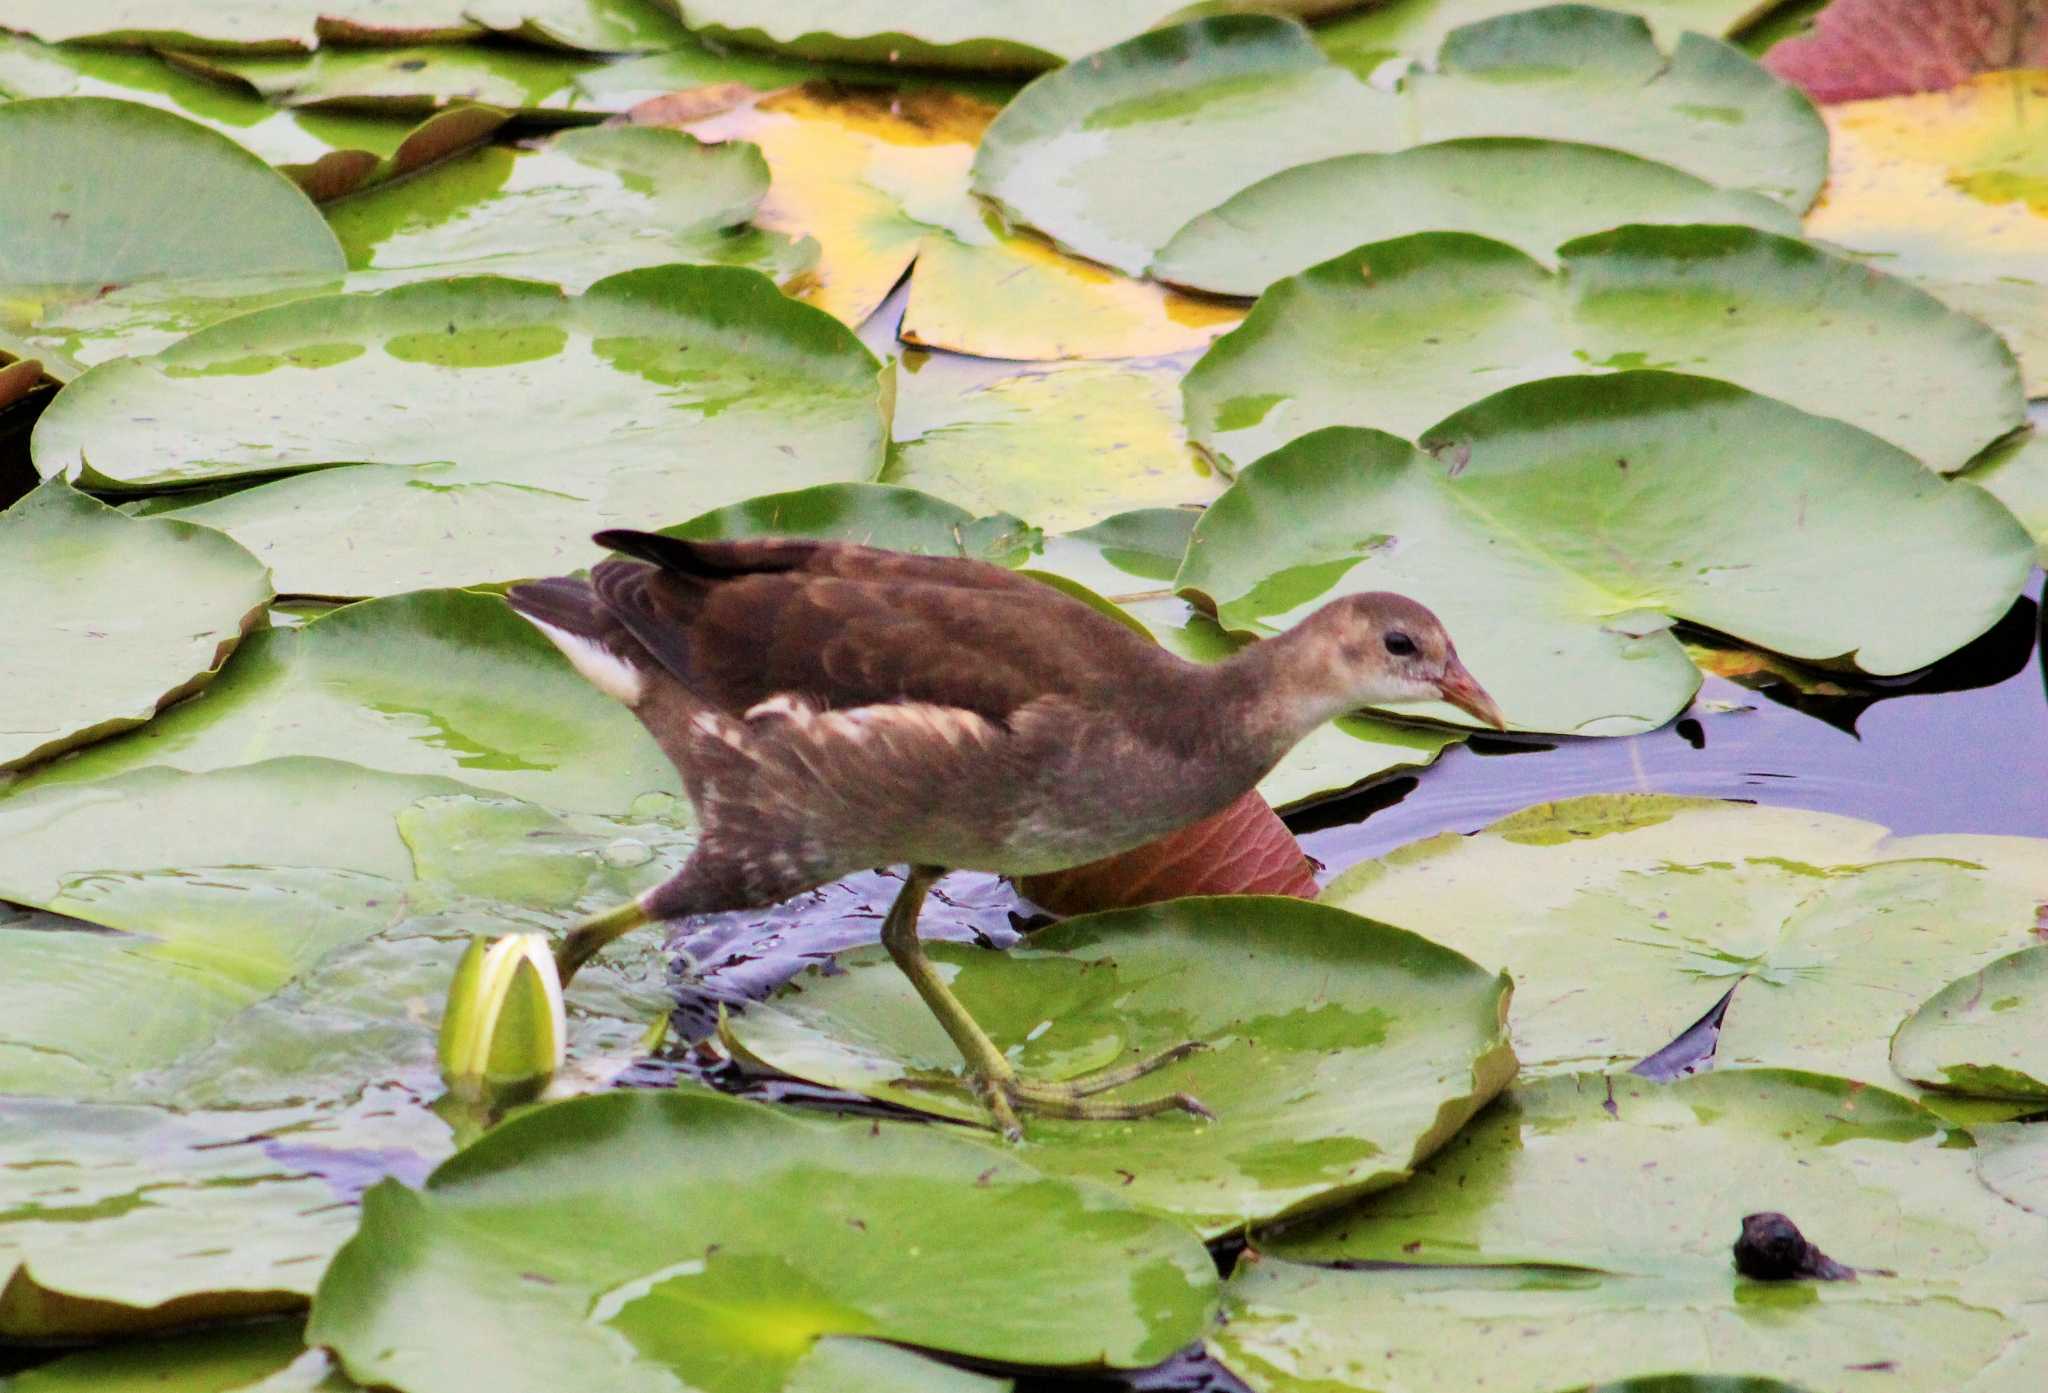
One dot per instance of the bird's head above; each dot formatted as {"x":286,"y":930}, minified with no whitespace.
{"x":1380,"y":647}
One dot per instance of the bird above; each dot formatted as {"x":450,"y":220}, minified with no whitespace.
{"x":833,"y":707}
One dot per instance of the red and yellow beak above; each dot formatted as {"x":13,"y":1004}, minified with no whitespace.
{"x":1462,"y":690}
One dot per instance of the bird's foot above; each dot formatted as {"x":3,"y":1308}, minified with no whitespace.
{"x":1010,"y":1097}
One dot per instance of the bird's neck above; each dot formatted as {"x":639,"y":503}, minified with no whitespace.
{"x":1278,"y":691}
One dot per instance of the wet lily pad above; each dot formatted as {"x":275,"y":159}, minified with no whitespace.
{"x":437,"y":682}
{"x":980,"y":34}
{"x":586,"y":205}
{"x":1342,"y":1051}
{"x":1944,"y":189}
{"x":1337,"y":344}
{"x":548,"y":417}
{"x":1590,"y":1202}
{"x":1064,"y":446}
{"x":1624,"y":918}
{"x":1982,"y":1033}
{"x":111,"y":618}
{"x":774,"y":1230}
{"x":1541,"y":526}
{"x":1112,"y":156}
{"x":1532,"y":194}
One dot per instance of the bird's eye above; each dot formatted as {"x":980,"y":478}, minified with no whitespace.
{"x":1400,"y":645}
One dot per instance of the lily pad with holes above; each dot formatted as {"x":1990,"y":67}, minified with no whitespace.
{"x":1531,"y":194}
{"x":1341,"y":1051}
{"x":1982,"y":1033}
{"x":1396,"y":334}
{"x":1112,"y":156}
{"x":1558,"y":529}
{"x":111,"y":618}
{"x":586,"y":205}
{"x":436,"y":682}
{"x":775,"y":1230}
{"x":1624,"y":918}
{"x":1589,"y":1203}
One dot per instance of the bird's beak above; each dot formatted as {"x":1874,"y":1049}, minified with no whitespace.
{"x":1462,"y":690}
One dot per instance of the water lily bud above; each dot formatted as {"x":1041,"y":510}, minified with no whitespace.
{"x":503,"y":1033}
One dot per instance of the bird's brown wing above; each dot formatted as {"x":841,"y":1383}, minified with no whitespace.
{"x":837,"y":642}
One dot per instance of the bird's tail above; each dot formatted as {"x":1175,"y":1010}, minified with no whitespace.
{"x":575,"y":620}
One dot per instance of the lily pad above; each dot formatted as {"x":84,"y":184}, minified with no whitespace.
{"x":1982,"y":1033}
{"x":978,"y":34}
{"x":408,"y":80}
{"x":586,"y":205}
{"x":1112,"y":156}
{"x":546,"y":418}
{"x":1011,"y":295}
{"x":251,"y":1357}
{"x":111,"y":618}
{"x":1064,"y":446}
{"x":773,"y":1230}
{"x":1591,"y":1202}
{"x":2015,"y":472}
{"x":1544,"y":527}
{"x":1624,"y":918}
{"x":1415,"y":28}
{"x":76,"y":213}
{"x":283,"y":26}
{"x":1944,"y":189}
{"x":867,"y":172}
{"x":437,"y":682}
{"x":1342,"y":1051}
{"x":1338,"y":344}
{"x":1858,"y":49}
{"x":1531,"y":194}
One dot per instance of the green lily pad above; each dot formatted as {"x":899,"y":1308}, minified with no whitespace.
{"x":1530,"y":194}
{"x":1337,"y":344}
{"x":256,"y":1357}
{"x":1416,"y":28}
{"x":408,"y":81}
{"x":283,"y":26}
{"x":2012,"y":1159}
{"x":1112,"y":156}
{"x":437,"y":682}
{"x":1293,"y":1328}
{"x":76,"y":213}
{"x":1624,"y":918}
{"x":876,"y":515}
{"x":1559,"y":528}
{"x":977,"y":34}
{"x":1982,"y":1033}
{"x":1342,"y":1051}
{"x":112,"y":618}
{"x":2015,"y":472}
{"x":1589,"y":1201}
{"x":1065,"y":446}
{"x":586,"y":205}
{"x":774,"y":1229}
{"x":191,"y":1095}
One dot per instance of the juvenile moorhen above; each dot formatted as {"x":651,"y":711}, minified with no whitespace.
{"x":834,"y":707}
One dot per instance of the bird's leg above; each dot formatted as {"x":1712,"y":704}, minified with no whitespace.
{"x":997,"y":1082}
{"x":588,"y":937}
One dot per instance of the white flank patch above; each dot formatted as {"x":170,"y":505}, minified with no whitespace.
{"x":604,"y":669}
{"x":781,"y":704}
